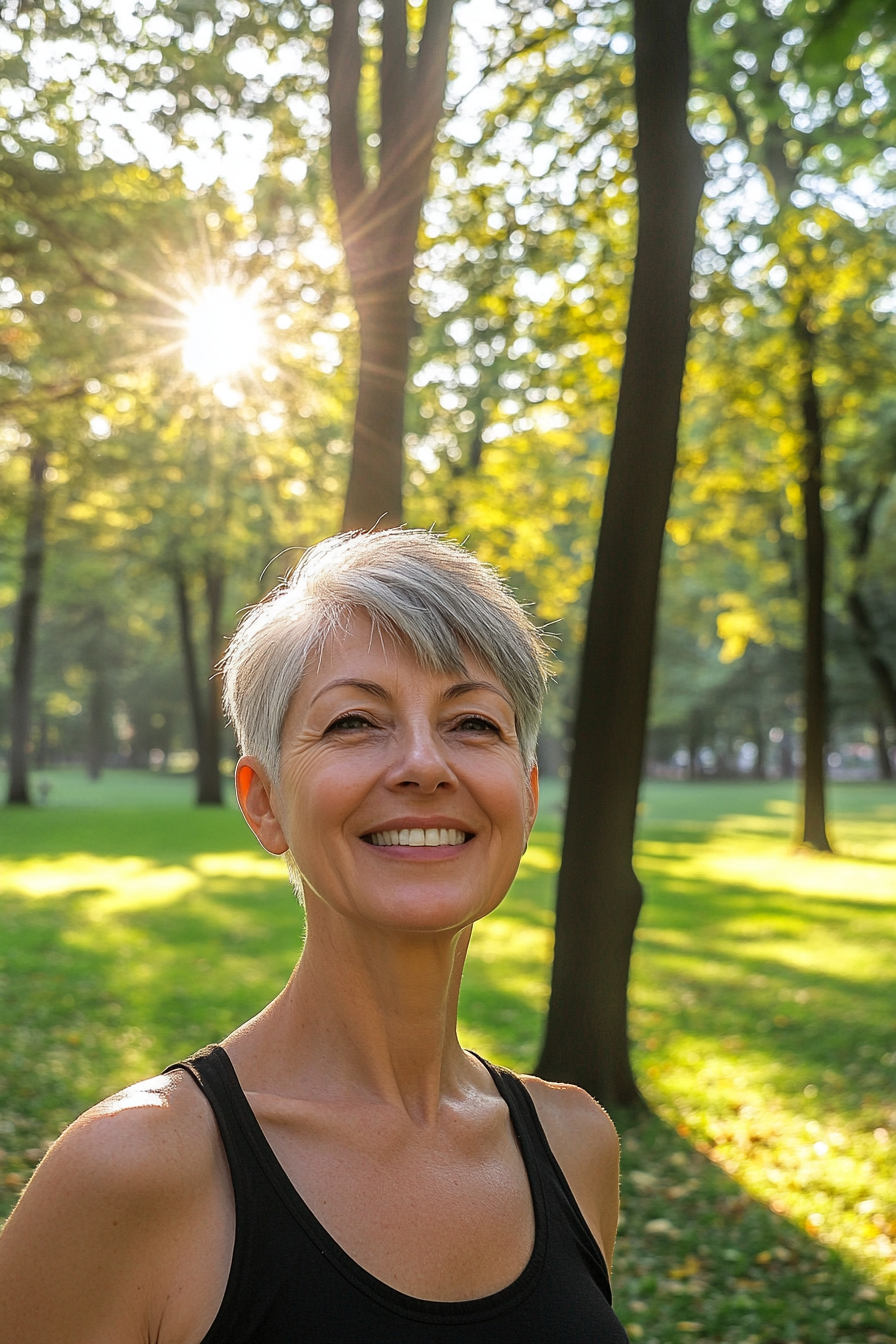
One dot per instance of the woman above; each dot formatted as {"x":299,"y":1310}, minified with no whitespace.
{"x":341,"y":1169}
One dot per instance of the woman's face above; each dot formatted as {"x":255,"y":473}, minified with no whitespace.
{"x":402,"y":793}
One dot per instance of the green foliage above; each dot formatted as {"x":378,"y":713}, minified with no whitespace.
{"x":521,"y":296}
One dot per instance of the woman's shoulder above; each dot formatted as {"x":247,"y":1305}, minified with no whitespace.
{"x":584,"y":1141}
{"x":572,"y":1120}
{"x":154,"y":1132}
{"x":120,"y":1189}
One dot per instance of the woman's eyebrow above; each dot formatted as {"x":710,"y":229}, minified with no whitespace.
{"x":463,"y":687}
{"x":371,"y":687}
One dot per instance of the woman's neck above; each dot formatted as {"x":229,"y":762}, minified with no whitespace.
{"x":364,"y":1009}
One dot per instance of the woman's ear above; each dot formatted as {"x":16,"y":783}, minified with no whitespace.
{"x":533,"y":799}
{"x":254,"y":793}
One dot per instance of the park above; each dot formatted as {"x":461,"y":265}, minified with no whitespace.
{"x":606,"y":294}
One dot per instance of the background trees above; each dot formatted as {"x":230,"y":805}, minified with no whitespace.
{"x":179,"y":160}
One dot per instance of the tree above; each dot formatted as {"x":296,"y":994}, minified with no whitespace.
{"x":260,"y":64}
{"x":801,"y":101}
{"x":44,"y":369}
{"x":379,"y":221}
{"x":867,"y":636}
{"x":598,"y":895}
{"x":815,"y":834}
{"x":33,"y":559}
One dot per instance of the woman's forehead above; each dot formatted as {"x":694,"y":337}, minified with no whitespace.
{"x":369,"y":652}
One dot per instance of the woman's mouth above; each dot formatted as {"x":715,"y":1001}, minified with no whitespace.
{"x":431,"y":837}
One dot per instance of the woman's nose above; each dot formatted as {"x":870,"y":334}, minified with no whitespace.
{"x":421,"y":761}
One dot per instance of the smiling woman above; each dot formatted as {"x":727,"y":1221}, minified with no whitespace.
{"x":340,"y":1167}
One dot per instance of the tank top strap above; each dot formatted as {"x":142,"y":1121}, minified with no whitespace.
{"x":522,"y":1109}
{"x":212,"y":1071}
{"x":526,"y":1122}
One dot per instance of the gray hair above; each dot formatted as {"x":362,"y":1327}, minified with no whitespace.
{"x":414,"y":586}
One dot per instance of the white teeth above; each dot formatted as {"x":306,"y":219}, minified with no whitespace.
{"x":417,"y":837}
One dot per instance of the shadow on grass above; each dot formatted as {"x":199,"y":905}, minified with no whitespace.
{"x":697,"y":1258}
{"x":804,"y":982}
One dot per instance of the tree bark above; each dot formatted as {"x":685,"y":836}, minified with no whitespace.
{"x":815,"y":678}
{"x":202,"y":710}
{"x":695,"y":728}
{"x":884,"y":764}
{"x":863,"y":624}
{"x":598,"y":895}
{"x":40,"y":755}
{"x":759,"y":766}
{"x":97,"y":726}
{"x":25,"y":634}
{"x":208,"y":790}
{"x":379,"y":224}
{"x":866,"y":637}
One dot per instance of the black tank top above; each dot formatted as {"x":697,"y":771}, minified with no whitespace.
{"x":291,"y":1283}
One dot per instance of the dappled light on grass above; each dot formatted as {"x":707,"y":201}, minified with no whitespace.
{"x":763,"y":1011}
{"x":131,"y":961}
{"x":765,"y":1017}
{"x":764,"y":1008}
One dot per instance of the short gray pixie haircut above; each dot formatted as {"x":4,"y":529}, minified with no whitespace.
{"x":430,"y":593}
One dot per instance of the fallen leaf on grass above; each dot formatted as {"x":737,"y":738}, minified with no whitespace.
{"x":688,"y":1267}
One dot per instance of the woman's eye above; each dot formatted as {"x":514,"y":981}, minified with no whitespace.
{"x":473,"y":724}
{"x":349,"y":723}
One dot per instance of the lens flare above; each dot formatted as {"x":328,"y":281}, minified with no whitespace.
{"x":224,"y":334}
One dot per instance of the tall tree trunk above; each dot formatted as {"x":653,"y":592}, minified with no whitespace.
{"x":98,"y":724}
{"x":759,"y":766}
{"x":787,"y":757}
{"x":209,"y":773}
{"x":373,"y":498}
{"x":866,"y":635}
{"x":25,"y":635}
{"x":40,"y":755}
{"x":884,"y":764}
{"x":205,"y":733}
{"x":598,"y":895}
{"x":815,"y":834}
{"x":695,"y":728}
{"x":379,"y":224}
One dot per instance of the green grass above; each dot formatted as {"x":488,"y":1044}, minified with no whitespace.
{"x":759,"y":1198}
{"x":70,"y":787}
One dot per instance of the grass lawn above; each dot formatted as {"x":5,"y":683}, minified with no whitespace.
{"x":759,"y":1198}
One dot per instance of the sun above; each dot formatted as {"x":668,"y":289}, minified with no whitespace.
{"x":224,"y":334}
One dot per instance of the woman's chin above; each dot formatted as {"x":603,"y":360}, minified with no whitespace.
{"x":420,"y":908}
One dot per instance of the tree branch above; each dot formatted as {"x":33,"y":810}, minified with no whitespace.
{"x":395,"y":82}
{"x":343,"y":83}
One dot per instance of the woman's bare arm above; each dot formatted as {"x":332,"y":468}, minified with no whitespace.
{"x":103,"y":1247}
{"x":584,"y":1141}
